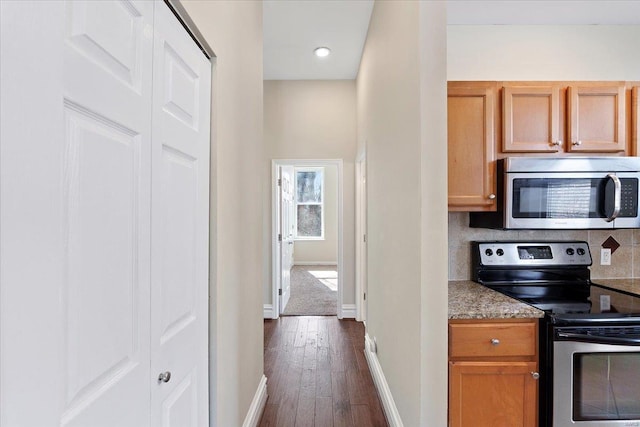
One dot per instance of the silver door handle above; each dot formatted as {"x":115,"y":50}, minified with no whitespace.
{"x":491,"y":196}
{"x":535,"y":375}
{"x":576,"y":143}
{"x":495,"y":341}
{"x":557,"y":143}
{"x":164,"y":377}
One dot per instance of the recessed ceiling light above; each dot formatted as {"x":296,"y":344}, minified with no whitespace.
{"x":322,"y":51}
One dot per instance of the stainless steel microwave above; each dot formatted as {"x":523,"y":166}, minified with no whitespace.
{"x":565,"y":193}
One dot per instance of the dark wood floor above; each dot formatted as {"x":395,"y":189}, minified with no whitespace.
{"x":317,"y":374}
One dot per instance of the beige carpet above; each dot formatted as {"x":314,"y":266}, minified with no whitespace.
{"x":313,"y":291}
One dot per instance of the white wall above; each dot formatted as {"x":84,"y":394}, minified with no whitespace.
{"x":326,"y":250}
{"x":401,"y":90}
{"x":543,"y":52}
{"x":567,"y":52}
{"x":234,"y":31}
{"x":311,"y":119}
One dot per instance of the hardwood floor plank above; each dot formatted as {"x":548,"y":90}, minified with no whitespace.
{"x":340,"y":395}
{"x":357,"y":386}
{"x":269,"y":416}
{"x":305,"y":415}
{"x":323,"y":383}
{"x":324,"y":412}
{"x":362,"y":416}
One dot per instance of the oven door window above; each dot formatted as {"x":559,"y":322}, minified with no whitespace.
{"x":606,"y":386}
{"x":558,"y":197}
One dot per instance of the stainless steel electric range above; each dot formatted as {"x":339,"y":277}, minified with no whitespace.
{"x":590,"y":335}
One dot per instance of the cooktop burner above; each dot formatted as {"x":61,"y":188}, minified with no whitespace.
{"x":551,"y":276}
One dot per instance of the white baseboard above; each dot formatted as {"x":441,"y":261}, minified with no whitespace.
{"x":388,"y":404}
{"x":316,"y":263}
{"x":257,"y":405}
{"x":348,"y":311}
{"x":268,"y":311}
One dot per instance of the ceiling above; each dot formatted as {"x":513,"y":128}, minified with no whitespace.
{"x":294,"y":28}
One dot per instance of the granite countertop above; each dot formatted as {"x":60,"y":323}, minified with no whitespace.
{"x":631,"y":286}
{"x":469,"y":300}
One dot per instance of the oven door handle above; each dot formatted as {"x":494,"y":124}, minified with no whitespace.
{"x":567,"y":336}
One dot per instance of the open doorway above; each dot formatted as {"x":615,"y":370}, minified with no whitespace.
{"x":307,"y":223}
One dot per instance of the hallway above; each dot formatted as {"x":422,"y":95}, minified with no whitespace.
{"x":317,"y":374}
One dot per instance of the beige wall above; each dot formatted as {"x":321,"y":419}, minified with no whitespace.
{"x":548,"y":52}
{"x":509,"y":52}
{"x":323,"y":251}
{"x":401,"y":89}
{"x":234,"y":31}
{"x":311,"y":119}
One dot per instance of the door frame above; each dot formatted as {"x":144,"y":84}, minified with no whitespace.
{"x":275,"y":265}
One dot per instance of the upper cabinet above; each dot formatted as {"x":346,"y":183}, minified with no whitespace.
{"x":531,"y":119}
{"x":471,"y":108}
{"x":596,"y":119}
{"x":556,"y":118}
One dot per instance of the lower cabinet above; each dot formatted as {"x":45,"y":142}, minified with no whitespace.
{"x":493,"y":373}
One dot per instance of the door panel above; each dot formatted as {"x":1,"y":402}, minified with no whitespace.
{"x":287,"y":231}
{"x":106,"y":204}
{"x":75,"y":203}
{"x":180,"y":226}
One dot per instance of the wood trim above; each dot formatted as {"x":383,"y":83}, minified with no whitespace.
{"x":635,"y":121}
{"x":388,"y":403}
{"x":257,"y":405}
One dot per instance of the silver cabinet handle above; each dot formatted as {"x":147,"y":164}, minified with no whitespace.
{"x":491,"y":196}
{"x":576,"y":143}
{"x":557,"y":142}
{"x":164,"y":377}
{"x":535,"y":375}
{"x":495,"y":341}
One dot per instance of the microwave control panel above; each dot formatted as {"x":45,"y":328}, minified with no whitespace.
{"x":534,"y":253}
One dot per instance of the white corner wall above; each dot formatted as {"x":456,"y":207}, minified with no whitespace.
{"x":543,"y":52}
{"x":234,"y":31}
{"x":401,"y":89}
{"x":311,"y":119}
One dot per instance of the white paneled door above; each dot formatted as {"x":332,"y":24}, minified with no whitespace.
{"x":103,"y":216}
{"x":287,"y":232}
{"x":179,"y":227}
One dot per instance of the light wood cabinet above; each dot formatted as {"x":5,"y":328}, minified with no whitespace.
{"x":596,"y":119}
{"x":531,"y":119}
{"x":493,"y":373}
{"x":635,"y":120}
{"x":537,"y":119}
{"x":471,"y":146}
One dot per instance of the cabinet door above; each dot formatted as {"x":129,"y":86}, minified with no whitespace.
{"x":501,"y":394}
{"x":596,"y":119}
{"x":471,"y":148}
{"x":635,"y":123}
{"x":531,"y":119}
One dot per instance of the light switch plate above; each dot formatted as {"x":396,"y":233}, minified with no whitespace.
{"x":605,"y":256}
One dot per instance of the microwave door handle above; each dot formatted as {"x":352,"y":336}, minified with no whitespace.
{"x":616,"y":196}
{"x":599,"y":339}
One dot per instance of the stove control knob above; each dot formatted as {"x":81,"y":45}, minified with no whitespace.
{"x":570,"y":251}
{"x":580,"y":251}
{"x":488,"y":252}
{"x":499,"y":252}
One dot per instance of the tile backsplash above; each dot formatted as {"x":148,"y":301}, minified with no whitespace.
{"x":625,"y":261}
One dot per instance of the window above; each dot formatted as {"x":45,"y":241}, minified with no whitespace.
{"x":309,"y":198}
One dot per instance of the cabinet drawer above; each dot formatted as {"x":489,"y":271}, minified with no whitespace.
{"x":492,"y":339}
